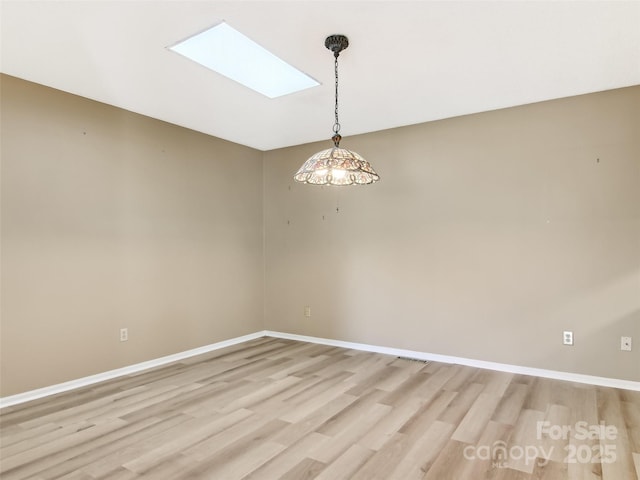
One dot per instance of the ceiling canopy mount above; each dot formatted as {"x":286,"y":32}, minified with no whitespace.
{"x":336,"y":43}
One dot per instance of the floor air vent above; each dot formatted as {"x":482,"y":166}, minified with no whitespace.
{"x":426,"y":362}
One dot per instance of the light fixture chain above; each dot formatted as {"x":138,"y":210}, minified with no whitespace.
{"x":336,"y":126}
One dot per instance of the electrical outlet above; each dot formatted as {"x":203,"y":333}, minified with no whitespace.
{"x":307,"y":311}
{"x":625,"y":344}
{"x":124,"y":334}
{"x":567,"y":337}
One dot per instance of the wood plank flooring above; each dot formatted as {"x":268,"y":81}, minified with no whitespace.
{"x":281,"y":409}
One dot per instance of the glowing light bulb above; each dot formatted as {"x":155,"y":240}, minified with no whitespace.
{"x":338,"y":173}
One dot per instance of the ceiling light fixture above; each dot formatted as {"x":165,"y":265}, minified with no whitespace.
{"x":336,"y":166}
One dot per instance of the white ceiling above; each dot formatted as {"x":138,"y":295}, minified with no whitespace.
{"x":408,"y":62}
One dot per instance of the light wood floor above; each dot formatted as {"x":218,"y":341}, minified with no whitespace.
{"x":279,"y":409}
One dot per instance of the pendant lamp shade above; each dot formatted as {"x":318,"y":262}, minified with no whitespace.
{"x":336,"y":166}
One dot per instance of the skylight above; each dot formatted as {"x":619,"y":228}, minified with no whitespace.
{"x":230,"y":53}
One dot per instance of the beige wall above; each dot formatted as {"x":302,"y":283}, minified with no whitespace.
{"x":110,"y":220}
{"x":488,"y":236}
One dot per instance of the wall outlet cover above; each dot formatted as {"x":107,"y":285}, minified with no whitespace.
{"x":625,"y":344}
{"x":567,"y":337}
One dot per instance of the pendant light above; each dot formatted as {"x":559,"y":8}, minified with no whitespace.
{"x":335,"y":165}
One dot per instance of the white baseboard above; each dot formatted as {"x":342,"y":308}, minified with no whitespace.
{"x":399,"y":352}
{"x":119,"y":372}
{"x":501,"y":367}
